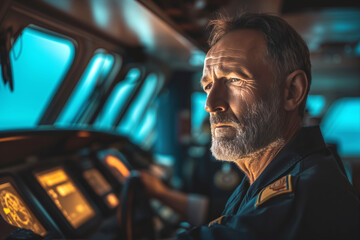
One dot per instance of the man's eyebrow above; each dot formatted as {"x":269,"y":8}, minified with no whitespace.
{"x":239,"y":72}
{"x":242,"y":72}
{"x":204,"y":80}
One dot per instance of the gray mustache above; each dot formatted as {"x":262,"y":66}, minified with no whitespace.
{"x":218,"y":118}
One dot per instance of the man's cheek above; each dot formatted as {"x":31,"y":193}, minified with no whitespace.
{"x":239,"y":104}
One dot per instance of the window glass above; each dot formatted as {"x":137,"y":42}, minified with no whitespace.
{"x":315,"y":104}
{"x":98,"y":69}
{"x":117,"y":99}
{"x":39,"y":63}
{"x":198,"y":113}
{"x":132,"y":117}
{"x":146,"y":126}
{"x":341,"y":125}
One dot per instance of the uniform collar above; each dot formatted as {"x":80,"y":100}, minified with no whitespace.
{"x":306,"y":141}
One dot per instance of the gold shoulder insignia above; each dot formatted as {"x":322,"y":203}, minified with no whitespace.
{"x":281,"y":186}
{"x":217,"y":220}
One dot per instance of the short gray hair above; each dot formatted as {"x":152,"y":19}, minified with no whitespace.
{"x":286,"y":49}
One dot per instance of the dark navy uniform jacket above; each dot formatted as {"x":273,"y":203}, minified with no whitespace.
{"x":302,"y":194}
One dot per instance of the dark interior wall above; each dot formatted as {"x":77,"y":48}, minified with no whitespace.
{"x":174,"y":120}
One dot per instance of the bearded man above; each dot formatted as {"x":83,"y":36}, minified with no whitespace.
{"x":257,"y":75}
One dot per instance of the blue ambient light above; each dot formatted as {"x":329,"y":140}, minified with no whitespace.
{"x":119,"y":96}
{"x":39,"y":61}
{"x":197,"y":58}
{"x":315,"y":104}
{"x":97,"y":70}
{"x":146,"y":126}
{"x":341,"y":125}
{"x":133,"y":115}
{"x":100,"y":13}
{"x":198,"y":113}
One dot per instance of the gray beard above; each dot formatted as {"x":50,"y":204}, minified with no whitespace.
{"x":258,"y":127}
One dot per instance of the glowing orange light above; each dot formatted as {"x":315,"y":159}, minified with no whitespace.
{"x":116,"y":163}
{"x":65,"y":189}
{"x":8,"y":139}
{"x":97,"y":181}
{"x":112,"y":200}
{"x":66,"y":195}
{"x":53,"y":178}
{"x":15,"y":212}
{"x":83,"y":134}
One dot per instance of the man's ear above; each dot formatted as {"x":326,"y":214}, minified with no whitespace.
{"x":296,"y":85}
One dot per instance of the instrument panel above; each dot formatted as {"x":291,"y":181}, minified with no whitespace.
{"x":15,"y":211}
{"x":117,"y":167}
{"x":71,"y":209}
{"x":101,"y":187}
{"x":66,"y":196}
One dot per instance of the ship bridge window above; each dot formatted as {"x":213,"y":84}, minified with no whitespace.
{"x":198,"y":113}
{"x":39,"y":62}
{"x":144,"y":133}
{"x":118,"y":99}
{"x":341,"y":125}
{"x":315,"y":104}
{"x":96,"y":72}
{"x":140,"y":116}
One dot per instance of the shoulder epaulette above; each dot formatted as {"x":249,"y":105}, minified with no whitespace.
{"x":217,"y":220}
{"x":280,"y":186}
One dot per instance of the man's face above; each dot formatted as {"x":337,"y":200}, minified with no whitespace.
{"x":242,"y":97}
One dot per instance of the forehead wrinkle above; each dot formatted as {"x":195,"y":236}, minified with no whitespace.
{"x":219,"y":52}
{"x":216,"y":51}
{"x":204,"y":79}
{"x":221,"y":69}
{"x":224,"y":58}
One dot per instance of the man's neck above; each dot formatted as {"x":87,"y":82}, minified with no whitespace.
{"x":254,"y":164}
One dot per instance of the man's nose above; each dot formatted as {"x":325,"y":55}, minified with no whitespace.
{"x":216,"y":100}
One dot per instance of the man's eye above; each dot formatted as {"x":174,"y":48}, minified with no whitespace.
{"x":207,"y":87}
{"x":235,"y":79}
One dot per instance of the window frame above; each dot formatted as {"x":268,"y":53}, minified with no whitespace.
{"x":18,"y":33}
{"x":86,"y":112}
{"x":122,"y":75}
{"x":85,"y":40}
{"x":160,"y":83}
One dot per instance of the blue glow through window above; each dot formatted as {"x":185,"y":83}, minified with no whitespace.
{"x":341,"y":125}
{"x":315,"y":104}
{"x":146,"y":126}
{"x":117,"y":99}
{"x":39,"y":62}
{"x":198,"y":113}
{"x":131,"y":119}
{"x":197,"y":58}
{"x":357,"y":49}
{"x":97,"y":70}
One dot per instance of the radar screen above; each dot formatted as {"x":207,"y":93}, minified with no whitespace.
{"x":66,"y":196}
{"x":14,"y":210}
{"x":101,"y":187}
{"x":117,"y":168}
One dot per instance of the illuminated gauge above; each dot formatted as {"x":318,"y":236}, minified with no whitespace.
{"x":97,"y":181}
{"x":117,"y":168}
{"x":101,"y":187}
{"x":15,"y":212}
{"x":66,"y":195}
{"x":111,"y":200}
{"x":15,"y":209}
